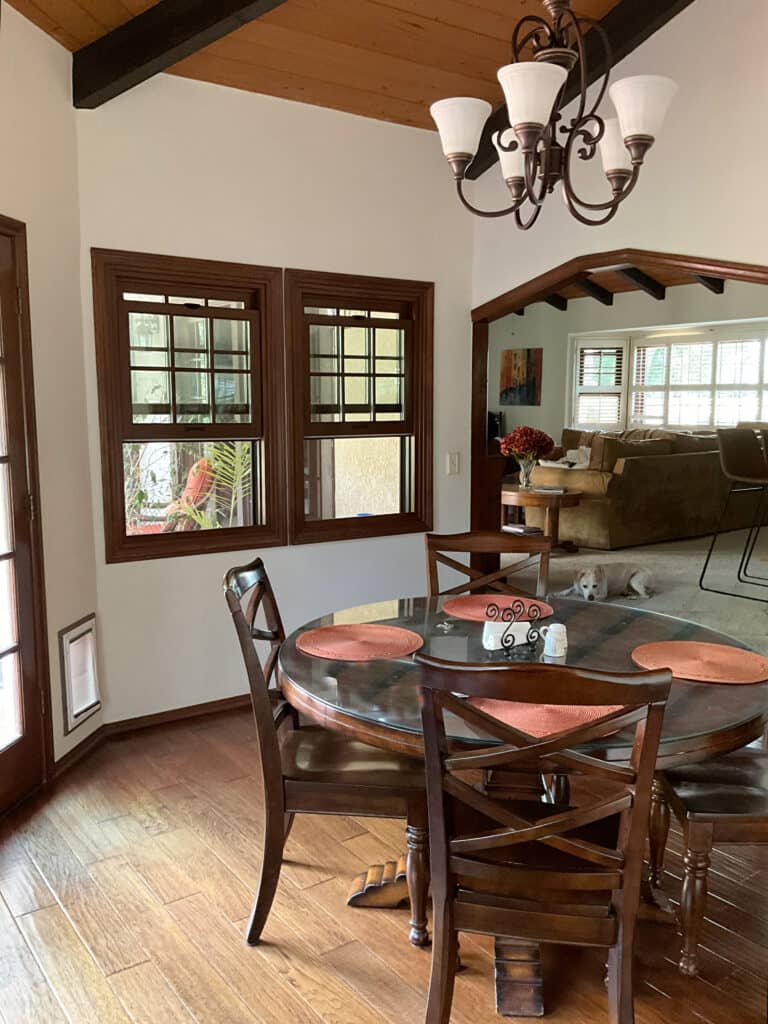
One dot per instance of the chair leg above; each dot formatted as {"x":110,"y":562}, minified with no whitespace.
{"x":693,"y":902}
{"x":445,"y":949}
{"x":277,"y":826}
{"x":658,"y":831}
{"x":417,"y":877}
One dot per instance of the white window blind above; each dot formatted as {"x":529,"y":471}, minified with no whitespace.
{"x":599,"y":385}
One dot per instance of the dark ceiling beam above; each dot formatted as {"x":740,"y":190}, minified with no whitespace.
{"x":715,"y":284}
{"x":627,"y":25}
{"x":558,"y":301}
{"x":520,"y":312}
{"x":153,"y":41}
{"x":595,"y":290}
{"x":644,"y":282}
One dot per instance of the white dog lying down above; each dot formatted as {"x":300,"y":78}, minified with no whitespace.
{"x":612,"y":579}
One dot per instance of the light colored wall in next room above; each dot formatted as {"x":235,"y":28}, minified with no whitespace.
{"x":191,"y":169}
{"x":696,"y":194}
{"x":38,"y":185}
{"x":548,"y":328}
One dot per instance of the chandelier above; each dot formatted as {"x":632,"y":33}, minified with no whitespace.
{"x":537,"y":152}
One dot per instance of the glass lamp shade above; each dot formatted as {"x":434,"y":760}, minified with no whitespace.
{"x":613,"y":153}
{"x":530,"y":90}
{"x":642,"y":103}
{"x":460,"y":122}
{"x":512,"y":163}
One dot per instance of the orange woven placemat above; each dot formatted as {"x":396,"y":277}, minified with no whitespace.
{"x":703,"y":663}
{"x":541,"y":719}
{"x":364,"y":642}
{"x":473,"y":607}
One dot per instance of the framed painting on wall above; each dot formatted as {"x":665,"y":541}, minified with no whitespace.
{"x":520,"y":376}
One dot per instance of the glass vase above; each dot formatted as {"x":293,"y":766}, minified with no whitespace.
{"x":526,"y":468}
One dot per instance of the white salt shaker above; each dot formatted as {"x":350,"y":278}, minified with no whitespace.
{"x":555,"y":640}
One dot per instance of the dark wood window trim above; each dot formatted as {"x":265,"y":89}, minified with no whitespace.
{"x":415,"y":301}
{"x":117,"y":272}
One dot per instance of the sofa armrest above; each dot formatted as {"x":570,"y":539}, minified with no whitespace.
{"x":591,"y":482}
{"x":648,"y":467}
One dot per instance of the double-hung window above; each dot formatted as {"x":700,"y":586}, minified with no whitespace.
{"x":599,"y":383}
{"x":360,"y":392}
{"x":191,"y":370}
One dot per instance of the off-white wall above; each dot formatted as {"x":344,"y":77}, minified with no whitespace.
{"x":190,"y":169}
{"x":38,"y":185}
{"x":550,"y":329}
{"x":702,"y":191}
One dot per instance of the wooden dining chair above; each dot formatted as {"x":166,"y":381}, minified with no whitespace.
{"x":531,"y":871}
{"x":536,"y":551}
{"x":724,"y":800}
{"x":314,"y":770}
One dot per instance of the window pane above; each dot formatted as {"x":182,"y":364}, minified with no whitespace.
{"x":357,"y":476}
{"x":233,"y":397}
{"x":356,"y":341}
{"x":733,"y":406}
{"x":598,"y":409}
{"x":650,"y":365}
{"x":600,"y":367}
{"x":3,"y":429}
{"x":389,"y":343}
{"x":388,"y":395}
{"x":738,"y":362}
{"x":8,"y":631}
{"x":193,"y":403}
{"x":690,"y":364}
{"x":183,"y":485}
{"x":324,"y":400}
{"x":150,"y":396}
{"x":226,"y":304}
{"x":190,"y":332}
{"x":231,"y":336}
{"x":321,"y":310}
{"x":142,"y":297}
{"x":182,"y":301}
{"x":147,"y":331}
{"x":648,"y":407}
{"x":10,"y":700}
{"x":690,"y":408}
{"x":323,"y":340}
{"x":192,"y":360}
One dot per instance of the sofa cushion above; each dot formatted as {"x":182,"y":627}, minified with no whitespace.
{"x":606,"y":450}
{"x":687,"y":443}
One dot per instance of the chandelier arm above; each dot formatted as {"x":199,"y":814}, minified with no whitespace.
{"x":525,"y":224}
{"x":597,"y":221}
{"x":485,"y":213}
{"x":572,"y":196}
{"x":537,"y":162}
{"x":540,"y":25}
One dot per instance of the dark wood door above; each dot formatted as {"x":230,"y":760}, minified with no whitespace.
{"x":22,"y":667}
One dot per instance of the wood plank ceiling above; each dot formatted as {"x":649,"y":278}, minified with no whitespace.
{"x":385,"y":59}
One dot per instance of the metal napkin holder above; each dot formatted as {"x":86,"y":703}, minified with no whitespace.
{"x":516,"y":612}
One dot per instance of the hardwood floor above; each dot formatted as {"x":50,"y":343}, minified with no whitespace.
{"x":126,"y":888}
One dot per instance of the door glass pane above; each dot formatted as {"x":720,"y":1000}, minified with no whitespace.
{"x":10,"y":700}
{"x":8,"y":633}
{"x":6,"y":528}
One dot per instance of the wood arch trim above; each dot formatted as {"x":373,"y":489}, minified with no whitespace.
{"x":538,"y":289}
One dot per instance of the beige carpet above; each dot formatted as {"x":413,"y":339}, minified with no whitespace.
{"x":676,"y":567}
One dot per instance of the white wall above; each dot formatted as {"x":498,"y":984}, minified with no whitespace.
{"x":702,"y":191}
{"x":38,"y":185}
{"x":550,"y":329}
{"x":190,"y":169}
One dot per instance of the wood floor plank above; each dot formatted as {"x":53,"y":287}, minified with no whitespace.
{"x":243,"y":967}
{"x":25,"y":995}
{"x":368,"y":975}
{"x":207,"y":872}
{"x":79,"y":985}
{"x":148,"y":998}
{"x":127,"y":891}
{"x":198,"y":984}
{"x":106,"y":936}
{"x":24,"y":889}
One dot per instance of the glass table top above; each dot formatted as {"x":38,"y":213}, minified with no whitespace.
{"x":600,"y":636}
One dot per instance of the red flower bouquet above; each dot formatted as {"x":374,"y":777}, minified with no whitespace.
{"x":527,"y":444}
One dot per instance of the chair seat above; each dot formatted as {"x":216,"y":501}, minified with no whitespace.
{"x":729,"y":786}
{"x":314,"y":754}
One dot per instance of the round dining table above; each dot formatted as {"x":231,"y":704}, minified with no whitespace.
{"x":378,"y":702}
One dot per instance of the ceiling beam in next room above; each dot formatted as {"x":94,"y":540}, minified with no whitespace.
{"x":626,"y":26}
{"x":153,"y":41}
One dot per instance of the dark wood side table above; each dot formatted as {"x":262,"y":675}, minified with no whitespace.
{"x":514,"y":496}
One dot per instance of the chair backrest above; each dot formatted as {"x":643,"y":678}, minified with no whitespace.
{"x":536,"y":549}
{"x":249,"y":591}
{"x":741,"y":455}
{"x":611,"y":789}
